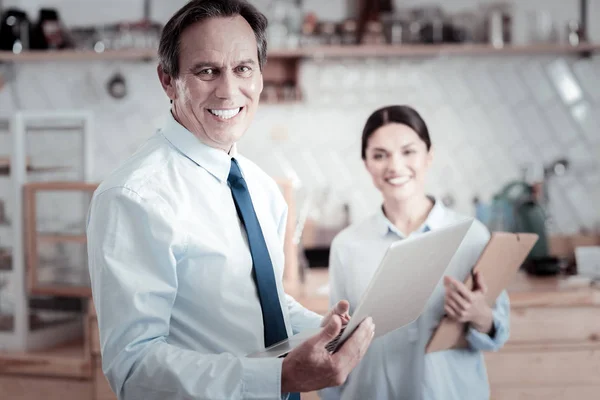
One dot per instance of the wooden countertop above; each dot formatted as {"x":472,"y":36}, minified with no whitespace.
{"x":553,"y":291}
{"x":524,"y":291}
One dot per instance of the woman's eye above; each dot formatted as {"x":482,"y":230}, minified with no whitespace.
{"x":378,"y":156}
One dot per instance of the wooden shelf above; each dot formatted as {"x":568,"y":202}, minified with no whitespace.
{"x":67,"y":361}
{"x":5,"y":167}
{"x":59,"y":238}
{"x":6,"y":170}
{"x":443,"y":50}
{"x":407,"y":50}
{"x":77,"y":55}
{"x":61,"y":290}
{"x":59,"y":185}
{"x":124,"y":55}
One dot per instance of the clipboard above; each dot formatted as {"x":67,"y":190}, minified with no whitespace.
{"x":499,"y":262}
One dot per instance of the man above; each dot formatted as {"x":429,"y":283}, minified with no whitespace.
{"x":185,"y":238}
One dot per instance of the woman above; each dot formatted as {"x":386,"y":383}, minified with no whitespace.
{"x":396,"y":150}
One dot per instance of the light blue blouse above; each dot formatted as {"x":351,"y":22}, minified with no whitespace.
{"x":396,"y":366}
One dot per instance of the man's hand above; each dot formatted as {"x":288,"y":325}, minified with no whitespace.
{"x":464,"y":305}
{"x":311,"y":367}
{"x":341,"y":310}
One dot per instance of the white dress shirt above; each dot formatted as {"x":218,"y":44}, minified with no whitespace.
{"x":395,"y":366}
{"x":171,"y":274}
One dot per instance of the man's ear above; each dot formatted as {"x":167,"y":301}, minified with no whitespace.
{"x":167,"y":82}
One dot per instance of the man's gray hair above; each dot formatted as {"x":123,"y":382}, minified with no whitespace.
{"x":200,"y":10}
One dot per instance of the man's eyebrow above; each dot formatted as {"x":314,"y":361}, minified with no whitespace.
{"x":247,"y":61}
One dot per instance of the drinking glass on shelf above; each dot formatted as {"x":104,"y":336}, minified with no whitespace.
{"x":542,"y":28}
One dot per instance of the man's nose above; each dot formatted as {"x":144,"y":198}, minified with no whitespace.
{"x":226,"y":86}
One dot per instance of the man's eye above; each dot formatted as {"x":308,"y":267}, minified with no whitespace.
{"x":244,"y":69}
{"x":208,"y":71}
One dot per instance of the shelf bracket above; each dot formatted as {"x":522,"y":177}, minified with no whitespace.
{"x":583,"y":24}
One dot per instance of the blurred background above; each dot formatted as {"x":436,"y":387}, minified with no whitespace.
{"x":510,"y":92}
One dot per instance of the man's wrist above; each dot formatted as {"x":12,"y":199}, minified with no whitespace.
{"x":285,"y":382}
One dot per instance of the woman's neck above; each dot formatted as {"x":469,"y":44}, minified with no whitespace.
{"x":407,"y":215}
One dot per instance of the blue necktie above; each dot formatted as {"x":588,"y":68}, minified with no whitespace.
{"x":274,"y":325}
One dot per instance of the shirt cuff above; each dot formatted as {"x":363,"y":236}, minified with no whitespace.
{"x":262,"y":378}
{"x":484,"y":342}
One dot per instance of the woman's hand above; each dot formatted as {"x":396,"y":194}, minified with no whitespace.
{"x":464,"y":305}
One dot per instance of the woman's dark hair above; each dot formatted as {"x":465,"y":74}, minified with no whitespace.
{"x":200,"y":10}
{"x":395,"y":114}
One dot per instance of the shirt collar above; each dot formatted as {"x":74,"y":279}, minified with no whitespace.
{"x":434,"y":220}
{"x":215,"y":161}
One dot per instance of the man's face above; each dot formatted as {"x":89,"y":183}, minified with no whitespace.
{"x":216,"y":93}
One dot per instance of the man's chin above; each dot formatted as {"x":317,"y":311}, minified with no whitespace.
{"x":224,"y":138}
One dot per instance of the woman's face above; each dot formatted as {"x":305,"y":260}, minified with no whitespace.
{"x":397,"y":160}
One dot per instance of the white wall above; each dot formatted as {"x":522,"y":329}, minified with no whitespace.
{"x":488,"y":116}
